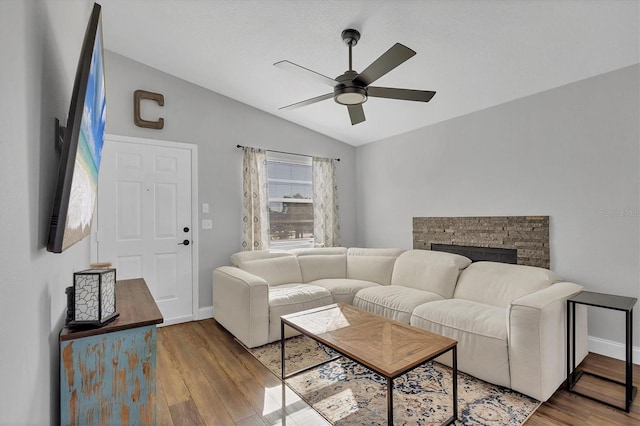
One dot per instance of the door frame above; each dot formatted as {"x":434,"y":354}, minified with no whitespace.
{"x":195,"y":273}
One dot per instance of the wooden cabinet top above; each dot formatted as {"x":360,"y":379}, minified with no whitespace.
{"x":135,"y":305}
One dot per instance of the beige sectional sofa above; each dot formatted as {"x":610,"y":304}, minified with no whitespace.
{"x":509,"y":320}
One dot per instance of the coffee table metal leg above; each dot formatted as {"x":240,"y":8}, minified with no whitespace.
{"x":455,"y":383}
{"x":389,"y":401}
{"x":282,"y":348}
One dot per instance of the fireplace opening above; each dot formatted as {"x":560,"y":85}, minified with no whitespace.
{"x":476,"y":254}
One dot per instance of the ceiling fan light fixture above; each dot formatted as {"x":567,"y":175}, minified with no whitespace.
{"x":350,"y":95}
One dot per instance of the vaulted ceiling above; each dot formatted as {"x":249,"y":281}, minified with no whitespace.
{"x":474,"y":53}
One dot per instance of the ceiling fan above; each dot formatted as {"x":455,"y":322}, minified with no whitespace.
{"x":353,"y":89}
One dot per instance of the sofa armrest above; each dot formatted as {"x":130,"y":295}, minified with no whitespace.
{"x":537,"y":339}
{"x":241,"y":304}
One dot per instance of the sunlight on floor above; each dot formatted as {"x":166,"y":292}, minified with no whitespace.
{"x":282,"y":406}
{"x":345,"y":399}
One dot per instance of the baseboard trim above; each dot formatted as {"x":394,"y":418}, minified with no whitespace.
{"x":205,"y":313}
{"x":612,"y":349}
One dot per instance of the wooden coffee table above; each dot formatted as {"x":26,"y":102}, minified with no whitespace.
{"x":387,"y":347}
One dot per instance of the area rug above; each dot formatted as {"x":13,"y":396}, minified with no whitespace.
{"x":346,"y":393}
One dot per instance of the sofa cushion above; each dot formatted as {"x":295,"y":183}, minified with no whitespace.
{"x":289,"y":298}
{"x":481,"y":332}
{"x":498,"y":284}
{"x":343,"y":290}
{"x":282,"y":268}
{"x":322,"y":263}
{"x":429,"y":270}
{"x":371,"y":264}
{"x":393,"y":301}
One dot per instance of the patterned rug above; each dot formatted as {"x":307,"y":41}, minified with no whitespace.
{"x":345,"y":393}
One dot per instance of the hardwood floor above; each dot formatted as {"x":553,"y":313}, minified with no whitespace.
{"x":206,"y":378}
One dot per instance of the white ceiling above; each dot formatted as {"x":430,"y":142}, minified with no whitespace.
{"x":474,"y":53}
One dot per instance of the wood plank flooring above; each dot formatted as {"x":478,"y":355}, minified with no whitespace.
{"x":206,"y":378}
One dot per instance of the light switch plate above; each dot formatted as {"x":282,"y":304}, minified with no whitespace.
{"x":205,"y":207}
{"x":207,"y":224}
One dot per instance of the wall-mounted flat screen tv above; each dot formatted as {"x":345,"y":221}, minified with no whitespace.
{"x":77,"y":184}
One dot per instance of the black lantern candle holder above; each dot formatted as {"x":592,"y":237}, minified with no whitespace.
{"x":92,"y":300}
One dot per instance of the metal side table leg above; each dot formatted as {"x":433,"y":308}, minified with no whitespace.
{"x":389,"y":401}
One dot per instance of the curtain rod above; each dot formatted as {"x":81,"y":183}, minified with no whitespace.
{"x":283,"y":152}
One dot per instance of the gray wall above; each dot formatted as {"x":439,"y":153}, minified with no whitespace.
{"x":571,"y":153}
{"x":217,"y":124}
{"x":39,"y":45}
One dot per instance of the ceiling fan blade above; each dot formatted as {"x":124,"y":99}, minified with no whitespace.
{"x":397,"y":54}
{"x":403,"y":94}
{"x":297,"y":69}
{"x":356,"y":113}
{"x":308,"y":101}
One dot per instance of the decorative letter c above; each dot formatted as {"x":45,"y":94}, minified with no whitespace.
{"x":143,"y":94}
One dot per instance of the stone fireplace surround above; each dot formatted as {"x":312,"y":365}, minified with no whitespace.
{"x":529,"y":235}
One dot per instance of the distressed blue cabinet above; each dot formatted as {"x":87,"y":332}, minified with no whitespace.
{"x":108,"y":374}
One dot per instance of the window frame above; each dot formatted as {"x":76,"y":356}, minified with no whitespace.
{"x":293,"y":159}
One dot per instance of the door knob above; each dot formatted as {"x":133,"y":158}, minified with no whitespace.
{"x":185,"y":242}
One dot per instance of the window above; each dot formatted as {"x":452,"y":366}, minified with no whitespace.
{"x":290,"y":181}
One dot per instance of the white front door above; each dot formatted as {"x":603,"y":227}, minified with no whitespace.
{"x":144,"y":220}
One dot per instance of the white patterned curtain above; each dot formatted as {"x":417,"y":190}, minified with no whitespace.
{"x":325,"y":203}
{"x":255,"y":216}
